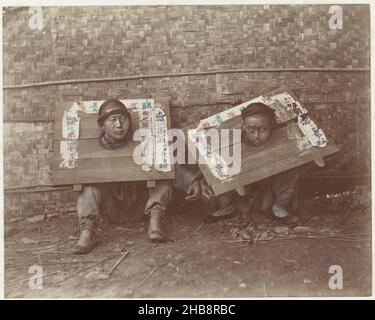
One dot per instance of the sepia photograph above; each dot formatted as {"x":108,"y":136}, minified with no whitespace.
{"x":173,"y":151}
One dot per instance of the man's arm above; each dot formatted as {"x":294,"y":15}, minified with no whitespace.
{"x":186,"y":175}
{"x":190,"y":180}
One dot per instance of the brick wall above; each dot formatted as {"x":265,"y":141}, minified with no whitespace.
{"x":103,"y":42}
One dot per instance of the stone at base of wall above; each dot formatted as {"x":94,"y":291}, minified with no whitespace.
{"x":50,"y":204}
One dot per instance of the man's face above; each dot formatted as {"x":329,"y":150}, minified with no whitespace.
{"x":116,"y":127}
{"x":257,"y":128}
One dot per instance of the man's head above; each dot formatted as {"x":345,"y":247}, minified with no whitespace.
{"x":258,"y":121}
{"x":114,"y":119}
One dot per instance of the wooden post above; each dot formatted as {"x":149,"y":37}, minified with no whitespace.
{"x":241,"y":191}
{"x":151,"y":184}
{"x":320,"y":162}
{"x":77,"y":187}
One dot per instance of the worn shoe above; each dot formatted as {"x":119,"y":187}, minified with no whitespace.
{"x":221,"y":214}
{"x":88,"y":235}
{"x":283,"y":216}
{"x":155,"y":231}
{"x":290,"y":221}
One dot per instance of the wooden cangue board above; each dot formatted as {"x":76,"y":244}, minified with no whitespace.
{"x":278,"y":154}
{"x":95,"y":164}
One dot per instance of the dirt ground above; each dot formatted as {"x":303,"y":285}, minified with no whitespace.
{"x":202,"y":260}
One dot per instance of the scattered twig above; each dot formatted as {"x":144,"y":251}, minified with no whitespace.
{"x":37,"y":249}
{"x":334,"y":236}
{"x":65,"y":261}
{"x":36,"y":241}
{"x":349,"y":239}
{"x":358,"y":234}
{"x":265,"y":289}
{"x":56,"y":252}
{"x":118,"y":262}
{"x":50,"y":262}
{"x":329,"y":237}
{"x":237,"y":241}
{"x":84,"y":269}
{"x":298,"y":238}
{"x":145,"y":278}
{"x":328,"y":230}
{"x":194,"y":231}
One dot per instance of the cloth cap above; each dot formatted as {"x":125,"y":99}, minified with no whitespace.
{"x":258,"y":108}
{"x":110,"y":107}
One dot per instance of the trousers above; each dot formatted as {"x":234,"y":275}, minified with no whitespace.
{"x":123,"y":202}
{"x":279,"y":189}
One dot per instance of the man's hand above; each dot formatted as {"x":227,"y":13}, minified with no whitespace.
{"x":206,"y":191}
{"x":194,"y":191}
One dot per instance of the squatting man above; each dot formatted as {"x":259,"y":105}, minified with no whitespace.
{"x":276,"y":193}
{"x":120,"y":202}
